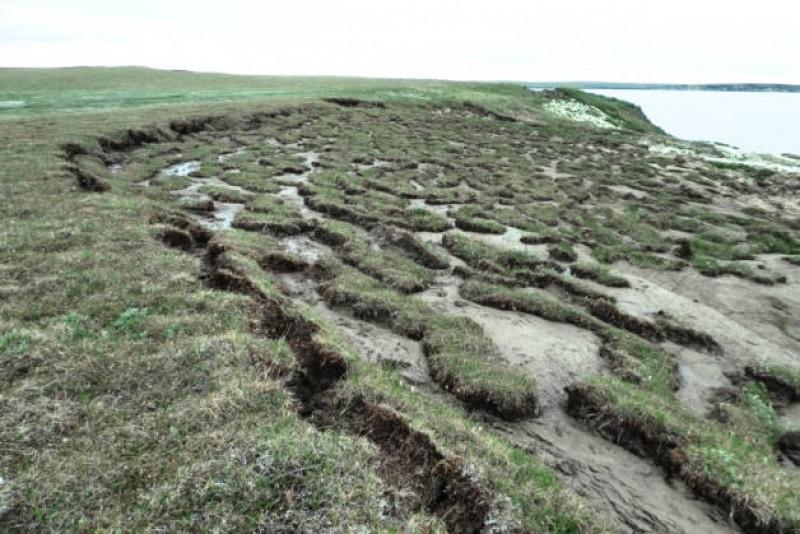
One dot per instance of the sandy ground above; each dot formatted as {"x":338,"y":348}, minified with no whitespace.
{"x":739,"y":314}
{"x":555,"y":354}
{"x":629,"y":490}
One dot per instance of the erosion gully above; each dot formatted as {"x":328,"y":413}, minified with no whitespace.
{"x":630,"y":491}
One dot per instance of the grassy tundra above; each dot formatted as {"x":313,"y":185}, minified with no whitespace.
{"x":170,"y":344}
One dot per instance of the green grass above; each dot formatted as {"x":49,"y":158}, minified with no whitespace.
{"x":225,"y":194}
{"x":75,"y":90}
{"x":524,"y":481}
{"x":600,"y":274}
{"x":479,"y":254}
{"x":482,"y":225}
{"x":536,"y":500}
{"x":270,"y":214}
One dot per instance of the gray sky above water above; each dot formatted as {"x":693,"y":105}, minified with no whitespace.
{"x":682,"y":41}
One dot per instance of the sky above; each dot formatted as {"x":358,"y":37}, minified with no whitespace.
{"x":676,"y":41}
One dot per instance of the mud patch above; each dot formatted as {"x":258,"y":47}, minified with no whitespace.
{"x":87,"y":180}
{"x":223,"y":213}
{"x":555,"y":354}
{"x":781,"y":391}
{"x":653,"y":441}
{"x":789,"y":444}
{"x":305,"y":248}
{"x":445,"y":490}
{"x":290,"y":195}
{"x":408,"y":243}
{"x":790,"y":415}
{"x":354,"y":102}
{"x":629,"y":491}
{"x":409,"y":455}
{"x":176,"y":238}
{"x":380,"y":345}
{"x":716,"y":307}
{"x":701,"y":376}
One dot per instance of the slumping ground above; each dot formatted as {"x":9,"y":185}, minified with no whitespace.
{"x":393,"y":307}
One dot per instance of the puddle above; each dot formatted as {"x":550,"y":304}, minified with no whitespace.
{"x":224,"y":214}
{"x":309,"y":158}
{"x":305,"y":248}
{"x":181,"y":169}
{"x":193,"y":190}
{"x":116,"y":168}
{"x":290,"y":194}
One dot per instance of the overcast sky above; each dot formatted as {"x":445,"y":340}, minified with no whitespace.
{"x":686,"y":41}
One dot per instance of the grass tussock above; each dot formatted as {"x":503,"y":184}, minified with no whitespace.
{"x":730,"y":463}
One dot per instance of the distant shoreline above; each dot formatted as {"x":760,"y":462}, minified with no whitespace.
{"x":732,"y":87}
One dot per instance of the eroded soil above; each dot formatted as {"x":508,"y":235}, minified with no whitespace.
{"x":538,"y":187}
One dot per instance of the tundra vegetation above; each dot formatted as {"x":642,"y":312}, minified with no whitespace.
{"x":180,"y":250}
